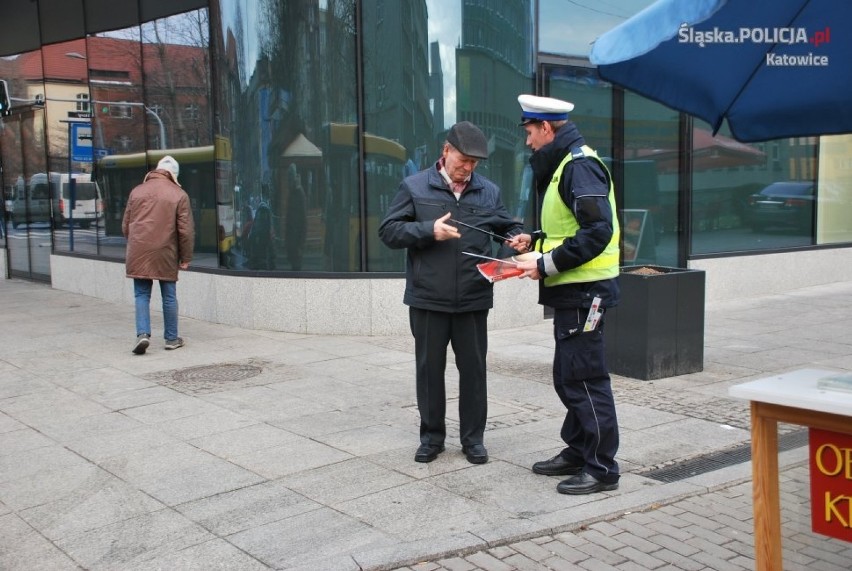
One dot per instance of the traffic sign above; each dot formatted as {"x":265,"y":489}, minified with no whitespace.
{"x":81,"y":142}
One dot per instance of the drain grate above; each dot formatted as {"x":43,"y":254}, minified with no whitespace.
{"x":723,"y":459}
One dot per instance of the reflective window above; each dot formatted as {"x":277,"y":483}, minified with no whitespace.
{"x":756,"y":196}
{"x":177,"y":109}
{"x":834,"y":196}
{"x":142,"y":80}
{"x":118,"y":126}
{"x":75,"y":219}
{"x":288,"y":179}
{"x":24,"y":159}
{"x":650,"y":191}
{"x":570,"y":27}
{"x":427,"y":66}
{"x":291,"y":148}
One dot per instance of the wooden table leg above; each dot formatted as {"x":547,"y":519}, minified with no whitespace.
{"x":767,"y":505}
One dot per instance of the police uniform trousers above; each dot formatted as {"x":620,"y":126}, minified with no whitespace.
{"x":582,"y":381}
{"x":468,"y":334}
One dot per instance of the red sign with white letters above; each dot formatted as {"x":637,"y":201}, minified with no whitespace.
{"x":831,"y":483}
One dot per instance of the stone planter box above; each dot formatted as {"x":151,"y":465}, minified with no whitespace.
{"x":657,"y":330}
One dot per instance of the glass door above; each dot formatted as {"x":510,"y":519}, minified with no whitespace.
{"x":27,"y":195}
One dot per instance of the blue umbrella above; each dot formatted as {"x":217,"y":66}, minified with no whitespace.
{"x":772,"y":68}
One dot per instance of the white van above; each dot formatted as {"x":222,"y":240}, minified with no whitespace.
{"x":88,"y":207}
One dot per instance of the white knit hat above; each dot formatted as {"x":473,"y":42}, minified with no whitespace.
{"x":168,"y":163}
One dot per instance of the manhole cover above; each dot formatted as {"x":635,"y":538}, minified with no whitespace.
{"x":213,"y":378}
{"x":223,"y":373}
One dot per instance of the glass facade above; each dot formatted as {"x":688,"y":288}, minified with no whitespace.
{"x":295,"y":120}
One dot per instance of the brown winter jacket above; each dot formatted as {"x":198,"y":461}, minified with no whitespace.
{"x":158,"y":227}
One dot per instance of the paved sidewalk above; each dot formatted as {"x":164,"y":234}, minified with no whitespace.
{"x":266,"y":450}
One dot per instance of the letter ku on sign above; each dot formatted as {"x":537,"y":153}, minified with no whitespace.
{"x":831,"y":483}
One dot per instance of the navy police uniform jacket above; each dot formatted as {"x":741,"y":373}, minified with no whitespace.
{"x":584,"y":187}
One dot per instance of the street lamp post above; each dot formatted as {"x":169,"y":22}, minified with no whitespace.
{"x":162,"y":128}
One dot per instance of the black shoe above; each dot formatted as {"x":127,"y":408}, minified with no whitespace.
{"x":428,"y":452}
{"x":584,"y":483}
{"x":476,"y":453}
{"x":142,"y":342}
{"x":557,"y":466}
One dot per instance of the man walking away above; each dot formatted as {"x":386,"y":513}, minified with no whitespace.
{"x":160,"y":236}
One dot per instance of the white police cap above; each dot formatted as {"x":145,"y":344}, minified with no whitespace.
{"x":535,"y":108}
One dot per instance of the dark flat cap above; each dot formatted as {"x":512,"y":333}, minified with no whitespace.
{"x":468,"y":139}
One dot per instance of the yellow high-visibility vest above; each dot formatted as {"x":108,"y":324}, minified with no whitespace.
{"x":558,"y":223}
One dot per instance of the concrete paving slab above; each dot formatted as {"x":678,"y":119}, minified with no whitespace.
{"x":82,"y":501}
{"x":25,"y":463}
{"x":240,"y":441}
{"x":247,"y":508}
{"x":206,"y":424}
{"x":307,"y":538}
{"x":266,"y":403}
{"x":344,"y":481}
{"x":214,"y":555}
{"x":297,"y":455}
{"x":318,"y":425}
{"x":308,"y":462}
{"x":133,"y":541}
{"x":21,"y":547}
{"x":196,"y":481}
{"x":9,"y":424}
{"x":510,"y":488}
{"x":22,"y":439}
{"x":422,"y":510}
{"x":367,"y":439}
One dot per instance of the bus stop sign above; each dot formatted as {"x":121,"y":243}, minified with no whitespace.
{"x":81,"y":142}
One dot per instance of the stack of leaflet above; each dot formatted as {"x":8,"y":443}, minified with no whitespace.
{"x":497,"y":269}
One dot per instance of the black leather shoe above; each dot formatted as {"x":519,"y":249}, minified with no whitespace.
{"x":584,"y":483}
{"x":557,"y":466}
{"x":428,"y":452}
{"x":476,"y":453}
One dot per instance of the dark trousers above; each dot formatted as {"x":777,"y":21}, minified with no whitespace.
{"x":468,"y":333}
{"x":582,"y":381}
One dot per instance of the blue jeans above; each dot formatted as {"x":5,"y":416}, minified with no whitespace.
{"x":142,"y":293}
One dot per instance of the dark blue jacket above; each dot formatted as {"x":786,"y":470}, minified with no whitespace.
{"x":438,"y":276}
{"x":584,"y":188}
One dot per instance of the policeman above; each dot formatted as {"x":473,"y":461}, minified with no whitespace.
{"x":578,"y":278}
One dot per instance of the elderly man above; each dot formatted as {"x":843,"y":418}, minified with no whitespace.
{"x":578,"y":273}
{"x":160,"y":236}
{"x":447,"y":297}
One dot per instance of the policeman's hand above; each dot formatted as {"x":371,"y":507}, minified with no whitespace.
{"x":444,"y":231}
{"x":521,"y":242}
{"x":530,"y":269}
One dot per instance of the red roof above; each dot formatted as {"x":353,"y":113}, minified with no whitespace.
{"x":67,"y":62}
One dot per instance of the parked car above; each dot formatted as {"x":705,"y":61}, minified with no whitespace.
{"x":782,"y":205}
